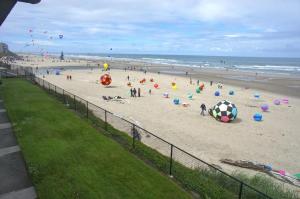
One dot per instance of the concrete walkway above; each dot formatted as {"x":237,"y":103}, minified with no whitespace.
{"x":14,"y":180}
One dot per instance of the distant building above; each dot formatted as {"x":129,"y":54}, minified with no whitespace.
{"x":3,"y":48}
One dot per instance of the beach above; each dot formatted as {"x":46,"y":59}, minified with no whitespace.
{"x":273,"y":141}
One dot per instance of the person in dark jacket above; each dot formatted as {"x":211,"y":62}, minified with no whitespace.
{"x":203,"y":109}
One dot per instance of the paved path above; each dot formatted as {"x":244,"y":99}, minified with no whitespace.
{"x":14,"y":180}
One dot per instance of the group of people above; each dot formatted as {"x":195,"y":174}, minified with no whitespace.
{"x":135,"y":93}
{"x":69,"y":77}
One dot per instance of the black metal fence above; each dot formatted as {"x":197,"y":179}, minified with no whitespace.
{"x":196,"y":175}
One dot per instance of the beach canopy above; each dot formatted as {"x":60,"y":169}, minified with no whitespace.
{"x":224,"y":111}
{"x":105,"y":79}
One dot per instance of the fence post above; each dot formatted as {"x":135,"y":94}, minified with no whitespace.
{"x":55,"y":89}
{"x":87,"y":109}
{"x":133,"y":135}
{"x":241,"y":190}
{"x":171,"y":160}
{"x":64,"y":96}
{"x":105,"y":117}
{"x":74,"y":103}
{"x":43,"y":84}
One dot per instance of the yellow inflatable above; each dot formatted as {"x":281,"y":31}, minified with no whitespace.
{"x":105,"y":66}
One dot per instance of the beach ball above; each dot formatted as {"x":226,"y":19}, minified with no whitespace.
{"x":201,"y":86}
{"x":257,"y":117}
{"x":217,"y":93}
{"x":224,"y":111}
{"x":166,"y":95}
{"x":190,"y":96}
{"x":151,"y":80}
{"x":257,"y":95}
{"x":155,"y":85}
{"x":231,"y":92}
{"x":173,"y":84}
{"x":276,"y":102}
{"x":198,"y":90}
{"x":285,"y":100}
{"x":264,"y":107}
{"x":106,"y":79}
{"x":176,"y":101}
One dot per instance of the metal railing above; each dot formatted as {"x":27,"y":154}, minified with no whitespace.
{"x":191,"y":172}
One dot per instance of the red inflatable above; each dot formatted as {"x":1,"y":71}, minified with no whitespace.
{"x":105,"y":79}
{"x":155,"y":85}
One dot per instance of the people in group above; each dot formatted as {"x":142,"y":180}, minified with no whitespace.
{"x":131,"y":92}
{"x":203,"y":109}
{"x":139,"y":92}
{"x":134,"y":92}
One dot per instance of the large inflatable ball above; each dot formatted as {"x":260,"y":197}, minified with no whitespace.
{"x":198,"y":90}
{"x":256,"y":95}
{"x":285,"y":101}
{"x":257,"y":117}
{"x":57,"y":72}
{"x":190,"y":96}
{"x":224,"y":111}
{"x":105,"y":79}
{"x":156,"y":85}
{"x":264,"y":107}
{"x":217,"y":93}
{"x":277,"y":102}
{"x":176,"y":101}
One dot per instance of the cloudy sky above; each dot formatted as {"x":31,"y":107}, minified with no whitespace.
{"x":198,"y":27}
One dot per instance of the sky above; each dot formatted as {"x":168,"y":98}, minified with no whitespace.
{"x":269,"y":28}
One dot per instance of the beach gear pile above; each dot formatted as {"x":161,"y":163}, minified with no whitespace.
{"x":105,"y":79}
{"x":224,"y":111}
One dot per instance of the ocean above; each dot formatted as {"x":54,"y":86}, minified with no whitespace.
{"x":258,"y":64}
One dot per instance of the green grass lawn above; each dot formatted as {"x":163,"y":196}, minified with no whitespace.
{"x":67,"y":158}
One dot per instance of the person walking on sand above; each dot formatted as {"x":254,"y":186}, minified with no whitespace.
{"x":211,"y":83}
{"x":134,"y":92}
{"x":150,"y":91}
{"x":198,"y":82}
{"x":128,"y":77}
{"x":139,"y":92}
{"x":203,"y":109}
{"x":131,"y":92}
{"x":70,"y":77}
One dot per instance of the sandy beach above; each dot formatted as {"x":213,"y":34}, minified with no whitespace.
{"x":273,"y":141}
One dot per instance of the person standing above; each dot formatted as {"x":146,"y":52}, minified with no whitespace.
{"x":131,"y":92}
{"x":150,"y":91}
{"x":203,"y":109}
{"x":128,"y":77}
{"x":134,"y":92}
{"x":139,"y":92}
{"x":211,"y":83}
{"x":198,"y":82}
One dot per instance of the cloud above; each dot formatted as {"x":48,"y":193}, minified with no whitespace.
{"x":179,"y":26}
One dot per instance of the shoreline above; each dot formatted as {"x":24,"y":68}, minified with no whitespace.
{"x":279,"y":83}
